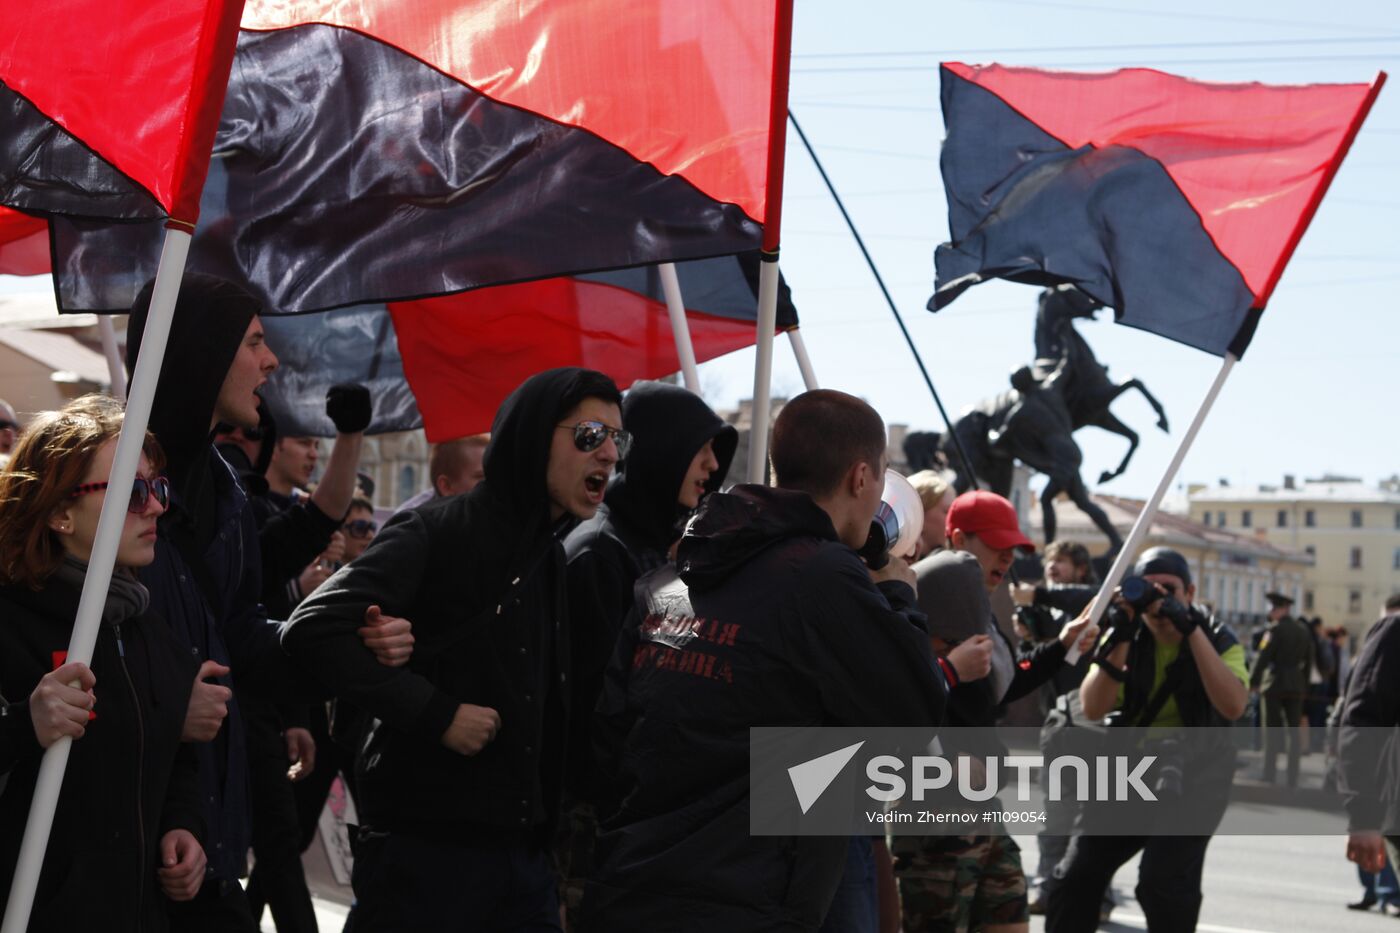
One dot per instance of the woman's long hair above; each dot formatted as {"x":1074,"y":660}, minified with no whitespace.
{"x":52,"y":456}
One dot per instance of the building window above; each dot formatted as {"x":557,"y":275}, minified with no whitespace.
{"x":1356,"y":558}
{"x":1310,"y":518}
{"x":1356,"y":518}
{"x":1220,"y":519}
{"x":1249,"y":605}
{"x":1307,"y":600}
{"x":1397,"y":519}
{"x":1312,"y":550}
{"x":408,"y":482}
{"x":1282,"y":521}
{"x":1246,"y":518}
{"x":1395,"y":564}
{"x":1354,"y":602}
{"x":1205,"y":519}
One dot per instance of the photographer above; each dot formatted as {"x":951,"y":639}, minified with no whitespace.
{"x":1161,"y":663}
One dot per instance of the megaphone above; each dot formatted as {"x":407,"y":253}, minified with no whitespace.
{"x":897,"y":525}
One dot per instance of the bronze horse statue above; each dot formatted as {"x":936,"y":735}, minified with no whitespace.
{"x":1035,"y":420}
{"x":1087,"y":390}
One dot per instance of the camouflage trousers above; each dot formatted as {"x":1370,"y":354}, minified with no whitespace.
{"x":955,"y":884}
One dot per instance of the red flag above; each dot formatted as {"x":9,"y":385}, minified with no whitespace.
{"x":111,"y":105}
{"x":1177,"y":202}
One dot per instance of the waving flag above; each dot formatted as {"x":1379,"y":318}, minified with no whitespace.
{"x":446,"y":364}
{"x":110,"y":106}
{"x":390,"y":150}
{"x":1176,"y":202}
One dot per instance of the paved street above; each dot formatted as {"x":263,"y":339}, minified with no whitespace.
{"x":1262,"y":884}
{"x":1254,"y":884}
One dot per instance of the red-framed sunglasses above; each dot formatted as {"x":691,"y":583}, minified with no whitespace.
{"x":141,"y":491}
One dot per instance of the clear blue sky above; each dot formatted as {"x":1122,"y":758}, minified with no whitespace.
{"x":1318,"y":389}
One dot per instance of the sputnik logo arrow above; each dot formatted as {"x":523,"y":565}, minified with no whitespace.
{"x":811,"y":778}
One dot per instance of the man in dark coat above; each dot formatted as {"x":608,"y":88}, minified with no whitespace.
{"x":772,"y":620}
{"x":1367,"y":754}
{"x":1280,"y":675}
{"x":207,"y":574}
{"x":461,"y":781}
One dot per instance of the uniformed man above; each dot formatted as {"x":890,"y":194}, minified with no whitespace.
{"x":1281,"y":676}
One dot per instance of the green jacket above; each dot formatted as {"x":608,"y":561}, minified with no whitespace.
{"x":1284,"y":661}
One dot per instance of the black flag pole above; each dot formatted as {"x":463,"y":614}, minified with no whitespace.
{"x":889,"y":299}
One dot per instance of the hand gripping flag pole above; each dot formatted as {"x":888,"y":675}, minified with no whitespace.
{"x":99,"y":575}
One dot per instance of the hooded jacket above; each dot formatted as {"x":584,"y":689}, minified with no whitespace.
{"x":481,"y":577}
{"x":129,"y":780}
{"x":773,"y":622}
{"x":640,"y":520}
{"x":207,"y":574}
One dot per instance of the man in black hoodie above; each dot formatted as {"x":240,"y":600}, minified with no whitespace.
{"x":460,"y":782}
{"x":207,"y":574}
{"x":796,"y":632}
{"x":682,"y":452}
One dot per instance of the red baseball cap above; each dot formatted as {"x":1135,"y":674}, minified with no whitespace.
{"x":989,"y":517}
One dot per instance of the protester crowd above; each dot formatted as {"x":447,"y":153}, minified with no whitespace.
{"x":537,"y":679}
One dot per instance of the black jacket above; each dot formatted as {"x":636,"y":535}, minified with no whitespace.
{"x":207,"y":575}
{"x":1368,"y":755}
{"x":782,"y":626}
{"x":481,"y":578}
{"x":633,"y":531}
{"x":129,"y":779}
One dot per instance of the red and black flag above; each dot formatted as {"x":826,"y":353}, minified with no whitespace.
{"x":447,"y":363}
{"x":108,"y":107}
{"x":389,"y":150}
{"x":1176,"y":202}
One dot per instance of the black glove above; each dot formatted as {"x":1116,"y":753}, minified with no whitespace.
{"x":349,"y":407}
{"x":1182,"y":618}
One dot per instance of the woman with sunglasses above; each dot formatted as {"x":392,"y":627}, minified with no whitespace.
{"x":125,"y":835}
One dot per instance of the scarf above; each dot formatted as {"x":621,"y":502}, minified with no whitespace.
{"x":126,"y":597}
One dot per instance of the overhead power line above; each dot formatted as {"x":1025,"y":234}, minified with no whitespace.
{"x":1115,"y":47}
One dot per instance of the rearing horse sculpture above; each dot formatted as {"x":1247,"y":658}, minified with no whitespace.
{"x":1087,"y":389}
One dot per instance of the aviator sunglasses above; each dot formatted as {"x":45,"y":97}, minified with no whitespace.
{"x":590,"y":435}
{"x":360,"y":528}
{"x":141,"y":492}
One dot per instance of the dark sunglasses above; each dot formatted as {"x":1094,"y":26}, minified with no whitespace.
{"x":360,"y":528}
{"x":141,"y":492}
{"x":590,"y":435}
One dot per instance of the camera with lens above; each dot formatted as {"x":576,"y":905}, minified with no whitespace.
{"x":1141,"y":594}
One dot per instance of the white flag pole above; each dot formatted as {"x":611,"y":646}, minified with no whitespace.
{"x":680,"y":327}
{"x":114,"y":358}
{"x":804,"y":362}
{"x":763,"y":366}
{"x":104,"y":553}
{"x":1128,"y":553}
